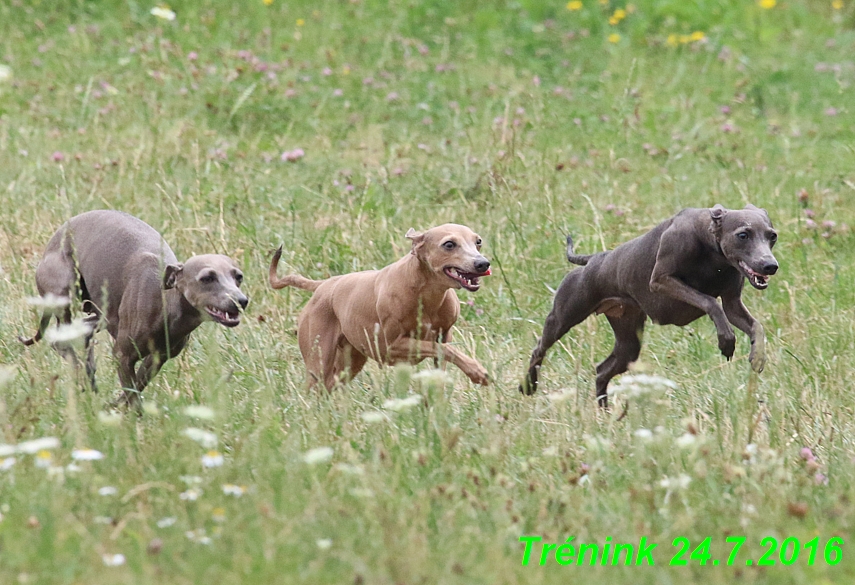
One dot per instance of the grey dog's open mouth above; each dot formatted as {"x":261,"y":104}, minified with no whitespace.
{"x":468,"y":280}
{"x":757,"y":280}
{"x":227,"y":318}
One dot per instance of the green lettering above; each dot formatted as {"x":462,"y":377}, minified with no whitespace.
{"x":544,"y":553}
{"x":595,"y":550}
{"x":645,"y":552}
{"x":529,"y":544}
{"x":619,"y":548}
{"x":604,"y":558}
{"x":564,"y":554}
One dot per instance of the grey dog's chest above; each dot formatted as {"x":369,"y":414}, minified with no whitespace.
{"x":710,"y":279}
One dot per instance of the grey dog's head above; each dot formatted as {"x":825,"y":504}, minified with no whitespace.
{"x":211,"y":283}
{"x":746,"y":238}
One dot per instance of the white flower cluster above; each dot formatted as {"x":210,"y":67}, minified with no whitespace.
{"x":638,"y":385}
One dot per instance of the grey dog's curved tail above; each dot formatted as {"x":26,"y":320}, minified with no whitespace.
{"x":574,"y":258}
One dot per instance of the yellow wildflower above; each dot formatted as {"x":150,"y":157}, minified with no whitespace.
{"x":697,"y":36}
{"x":768,"y":4}
{"x":574,"y":5}
{"x":300,"y":22}
{"x":620,"y":14}
{"x":613,"y":21}
{"x":672,"y":40}
{"x":614,"y":38}
{"x":837,"y":4}
{"x":267,"y":2}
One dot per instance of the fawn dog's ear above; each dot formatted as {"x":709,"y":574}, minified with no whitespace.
{"x":418,"y":239}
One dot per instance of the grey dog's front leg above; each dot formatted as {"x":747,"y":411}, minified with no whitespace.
{"x":677,"y":289}
{"x":670,"y":258}
{"x":738,"y":314}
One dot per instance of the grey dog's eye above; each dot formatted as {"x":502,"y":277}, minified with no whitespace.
{"x":773,"y":238}
{"x":449,"y":245}
{"x":742,"y":235}
{"x":238,"y":279}
{"x":209,"y":278}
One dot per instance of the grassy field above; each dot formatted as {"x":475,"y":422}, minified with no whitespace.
{"x":525,"y":120}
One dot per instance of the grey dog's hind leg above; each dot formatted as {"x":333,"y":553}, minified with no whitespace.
{"x":628,"y":329}
{"x":573,"y":303}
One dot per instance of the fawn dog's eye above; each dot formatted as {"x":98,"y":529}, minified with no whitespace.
{"x":449,"y":245}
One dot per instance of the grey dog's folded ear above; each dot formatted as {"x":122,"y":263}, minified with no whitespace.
{"x":171,"y":274}
{"x":416,"y":237}
{"x":717,"y":212}
{"x":755,"y":208}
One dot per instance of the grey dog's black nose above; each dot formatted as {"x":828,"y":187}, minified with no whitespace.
{"x":482,"y":265}
{"x":770,"y":268}
{"x":243,"y":302}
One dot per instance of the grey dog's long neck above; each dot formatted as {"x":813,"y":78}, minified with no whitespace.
{"x":181,"y":317}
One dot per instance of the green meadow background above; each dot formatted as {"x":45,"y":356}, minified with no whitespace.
{"x":524,"y":120}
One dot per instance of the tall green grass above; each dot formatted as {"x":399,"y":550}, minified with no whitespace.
{"x":525,"y":122}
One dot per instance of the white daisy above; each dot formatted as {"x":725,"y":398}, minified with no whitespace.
{"x":349,"y":469}
{"x":49,"y":303}
{"x":373,"y":416}
{"x":401,"y":404}
{"x":680,"y":482}
{"x":116,"y":560}
{"x":686,"y":440}
{"x":36,"y":445}
{"x":199,"y":411}
{"x":107,"y":490}
{"x":68,"y":333}
{"x":212,"y":459}
{"x":110,"y":419}
{"x":190,"y":495}
{"x":205,"y":438}
{"x":234,"y":490}
{"x":434,"y":376}
{"x":318,"y":455}
{"x":43,"y":459}
{"x":163,"y":13}
{"x":86,"y":455}
{"x":643,"y":434}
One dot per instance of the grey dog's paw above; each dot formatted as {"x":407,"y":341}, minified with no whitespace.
{"x":727,"y":345}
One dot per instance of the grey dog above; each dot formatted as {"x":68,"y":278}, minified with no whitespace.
{"x":125,"y":273}
{"x":673,"y":275}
